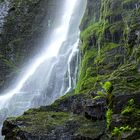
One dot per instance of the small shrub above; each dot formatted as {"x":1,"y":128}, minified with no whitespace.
{"x":106,"y":93}
{"x":108,"y":87}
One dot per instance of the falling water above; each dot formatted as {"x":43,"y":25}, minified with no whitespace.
{"x":53,"y":72}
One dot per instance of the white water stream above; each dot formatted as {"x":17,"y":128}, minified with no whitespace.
{"x":53,"y":72}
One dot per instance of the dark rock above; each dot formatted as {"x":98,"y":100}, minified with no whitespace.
{"x":113,"y":18}
{"x":118,"y":120}
{"x":38,"y":125}
{"x":121,"y":101}
{"x":82,"y":104}
{"x":21,"y":36}
{"x":92,"y":12}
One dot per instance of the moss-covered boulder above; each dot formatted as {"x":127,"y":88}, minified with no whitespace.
{"x":66,"y":119}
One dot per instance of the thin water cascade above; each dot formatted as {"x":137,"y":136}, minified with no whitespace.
{"x":72,"y":79}
{"x":53,"y":72}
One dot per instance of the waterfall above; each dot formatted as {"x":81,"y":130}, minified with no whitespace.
{"x":53,"y":72}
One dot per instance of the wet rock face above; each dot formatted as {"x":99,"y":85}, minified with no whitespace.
{"x":92,"y":13}
{"x":110,"y":45}
{"x":23,"y":29}
{"x":4,"y":7}
{"x":110,"y":52}
{"x":120,"y":101}
{"x":84,"y":105}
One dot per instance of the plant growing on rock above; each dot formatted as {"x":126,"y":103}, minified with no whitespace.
{"x":131,"y":109}
{"x":106,"y":93}
{"x":117,"y":131}
{"x":108,"y":117}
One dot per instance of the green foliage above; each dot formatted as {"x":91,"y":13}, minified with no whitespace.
{"x":131,"y":103}
{"x":92,"y":130}
{"x":111,"y":64}
{"x":131,"y":109}
{"x":125,"y":79}
{"x":93,"y":31}
{"x":117,"y":131}
{"x":86,"y":75}
{"x":128,"y":110}
{"x":108,"y":117}
{"x":100,"y":94}
{"x":107,"y":91}
{"x":108,"y":87}
{"x":42,"y":119}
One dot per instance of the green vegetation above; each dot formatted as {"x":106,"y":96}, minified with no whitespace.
{"x":42,"y":123}
{"x":109,"y":113}
{"x":92,"y":33}
{"x":49,"y":119}
{"x":117,"y":131}
{"x":91,"y":131}
{"x":131,"y":123}
{"x":106,"y":93}
{"x":131,"y":109}
{"x":107,"y":47}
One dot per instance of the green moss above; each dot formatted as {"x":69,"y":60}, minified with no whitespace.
{"x":129,"y":2}
{"x":89,"y":84}
{"x":131,"y":109}
{"x":125,"y":79}
{"x":117,"y":131}
{"x":67,"y":95}
{"x":38,"y":121}
{"x":94,"y":31}
{"x":90,"y":66}
{"x":92,"y":130}
{"x":117,"y":26}
{"x":113,"y":50}
{"x":86,"y":63}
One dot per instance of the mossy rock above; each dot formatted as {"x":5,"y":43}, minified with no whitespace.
{"x":36,"y":124}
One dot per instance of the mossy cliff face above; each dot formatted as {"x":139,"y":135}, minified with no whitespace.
{"x":110,"y":51}
{"x":22,"y":31}
{"x":110,"y":46}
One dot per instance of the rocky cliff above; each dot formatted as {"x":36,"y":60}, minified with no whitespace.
{"x":105,"y":105}
{"x":24,"y":25}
